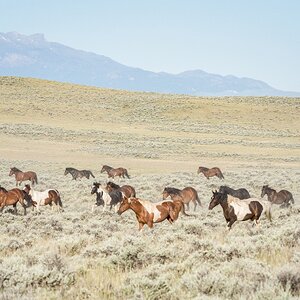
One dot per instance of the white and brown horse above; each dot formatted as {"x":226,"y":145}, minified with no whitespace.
{"x":186,"y":195}
{"x":149,"y":213}
{"x":111,"y":172}
{"x":235,"y":209}
{"x":283,"y":197}
{"x":23,"y":176}
{"x":215,"y":171}
{"x":47,"y":197}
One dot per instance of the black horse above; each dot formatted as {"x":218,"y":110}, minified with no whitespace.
{"x":239,"y":193}
{"x":79,"y":174}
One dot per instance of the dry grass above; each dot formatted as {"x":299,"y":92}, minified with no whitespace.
{"x":161,"y":139}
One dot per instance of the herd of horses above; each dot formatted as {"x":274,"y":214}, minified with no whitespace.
{"x":237,"y":204}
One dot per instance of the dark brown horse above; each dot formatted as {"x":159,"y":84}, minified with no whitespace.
{"x":215,"y":171}
{"x":78,"y":174}
{"x":283,"y":197}
{"x":12,"y":197}
{"x":239,"y":193}
{"x":148,"y":212}
{"x":127,"y":190}
{"x":23,"y":176}
{"x":111,"y":172}
{"x":186,"y":195}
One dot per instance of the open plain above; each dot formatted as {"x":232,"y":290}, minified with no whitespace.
{"x":161,"y":139}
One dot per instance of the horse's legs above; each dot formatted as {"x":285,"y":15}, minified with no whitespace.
{"x":15,"y":208}
{"x":195,"y":205}
{"x":231,"y":223}
{"x":141,"y":225}
{"x":188,"y":206}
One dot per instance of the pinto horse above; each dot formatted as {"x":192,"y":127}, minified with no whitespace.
{"x":46,"y":197}
{"x":112,"y":198}
{"x":111,"y":172}
{"x":127,"y":190}
{"x":22,"y":176}
{"x":148,"y":212}
{"x":12,"y":197}
{"x":78,"y":174}
{"x":235,"y":209}
{"x":239,"y":193}
{"x":186,"y":195}
{"x":283,"y":197}
{"x":99,"y":199}
{"x":215,"y":171}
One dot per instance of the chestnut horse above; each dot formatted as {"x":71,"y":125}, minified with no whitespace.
{"x":186,"y":195}
{"x":12,"y":197}
{"x":148,"y":212}
{"x":283,"y":197}
{"x":235,"y":209}
{"x":22,"y":176}
{"x":215,"y":171}
{"x":127,"y":190}
{"x":46,"y":197}
{"x":111,"y":172}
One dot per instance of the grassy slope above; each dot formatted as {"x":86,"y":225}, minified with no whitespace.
{"x":162,"y":139}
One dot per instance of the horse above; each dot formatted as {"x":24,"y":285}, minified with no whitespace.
{"x":78,"y":174}
{"x":99,"y":199}
{"x":283,"y":197}
{"x":186,"y":195}
{"x":127,"y":190}
{"x":12,"y":197}
{"x":235,"y":209}
{"x":110,"y":198}
{"x":239,"y":193}
{"x":148,"y":212}
{"x":215,"y":171}
{"x":22,"y":176}
{"x":46,"y":197}
{"x":111,"y":172}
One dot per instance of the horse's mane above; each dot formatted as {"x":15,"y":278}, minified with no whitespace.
{"x":203,"y":168}
{"x":107,"y":167}
{"x":3,"y":189}
{"x":15,"y":169}
{"x":270,"y":189}
{"x":171,"y":190}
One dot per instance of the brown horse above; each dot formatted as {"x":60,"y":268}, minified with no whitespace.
{"x":127,"y":190}
{"x":186,"y":195}
{"x":215,"y":171}
{"x":111,"y":172}
{"x":283,"y":197}
{"x":12,"y":197}
{"x":148,"y":212}
{"x":22,"y":176}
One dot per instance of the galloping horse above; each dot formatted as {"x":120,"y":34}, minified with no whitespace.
{"x":46,"y":197}
{"x":215,"y":171}
{"x":111,"y":172}
{"x":110,"y":198}
{"x":186,"y":195}
{"x":127,"y":190}
{"x":12,"y":197}
{"x":235,"y":209}
{"x":22,"y":176}
{"x":78,"y":174}
{"x":148,"y":212}
{"x":99,"y":199}
{"x":239,"y":193}
{"x":283,"y":197}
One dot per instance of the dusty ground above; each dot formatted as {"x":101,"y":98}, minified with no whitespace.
{"x":161,"y":140}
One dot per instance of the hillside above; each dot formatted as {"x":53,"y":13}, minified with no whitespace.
{"x":34,"y":56}
{"x":161,"y":139}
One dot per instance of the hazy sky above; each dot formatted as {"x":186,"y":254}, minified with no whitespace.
{"x":247,"y":38}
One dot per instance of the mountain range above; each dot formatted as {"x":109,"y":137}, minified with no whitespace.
{"x":34,"y":56}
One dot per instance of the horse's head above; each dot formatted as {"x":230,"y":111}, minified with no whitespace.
{"x":27,"y":189}
{"x":264,"y":190}
{"x":125,"y":204}
{"x":12,"y":171}
{"x":165,"y":193}
{"x":200,"y":169}
{"x":67,"y":170}
{"x":95,"y":187}
{"x":216,"y":199}
{"x":103,"y":169}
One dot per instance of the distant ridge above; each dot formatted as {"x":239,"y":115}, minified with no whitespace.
{"x":34,"y":56}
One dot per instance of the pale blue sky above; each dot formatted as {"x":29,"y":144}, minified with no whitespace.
{"x":247,"y":38}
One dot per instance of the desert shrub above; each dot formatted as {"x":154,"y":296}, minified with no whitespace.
{"x":289,"y":277}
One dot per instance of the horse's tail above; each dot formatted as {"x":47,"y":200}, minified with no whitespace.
{"x":59,"y":200}
{"x":35,"y":180}
{"x":126,"y":173}
{"x":92,"y":174}
{"x":198,"y":200}
{"x":220,"y":175}
{"x":292,"y":200}
{"x":268,"y":211}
